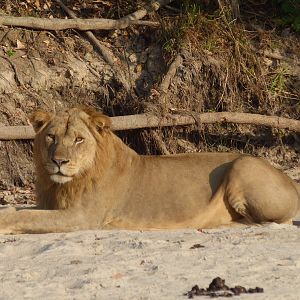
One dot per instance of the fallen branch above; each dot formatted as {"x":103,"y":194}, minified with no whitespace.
{"x":85,"y":24}
{"x":63,"y":24}
{"x":150,"y":121}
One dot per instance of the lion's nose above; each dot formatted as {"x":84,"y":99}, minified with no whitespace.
{"x":60,"y":161}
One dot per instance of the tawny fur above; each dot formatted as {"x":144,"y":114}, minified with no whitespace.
{"x":87,"y":178}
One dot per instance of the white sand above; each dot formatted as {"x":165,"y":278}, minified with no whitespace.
{"x":150,"y":265}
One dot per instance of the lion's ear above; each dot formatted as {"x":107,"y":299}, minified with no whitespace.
{"x":39,"y":118}
{"x":101,"y":122}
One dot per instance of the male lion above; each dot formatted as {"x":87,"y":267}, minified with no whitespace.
{"x":87,"y":178}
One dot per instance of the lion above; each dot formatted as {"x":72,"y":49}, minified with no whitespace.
{"x":87,"y":178}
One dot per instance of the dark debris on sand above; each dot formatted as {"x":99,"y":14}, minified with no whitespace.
{"x":218,"y":288}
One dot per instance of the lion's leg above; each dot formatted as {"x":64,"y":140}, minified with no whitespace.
{"x":41,"y":221}
{"x":259,"y":192}
{"x":217,"y":214}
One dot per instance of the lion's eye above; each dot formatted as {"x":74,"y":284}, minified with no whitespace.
{"x":50,"y":138}
{"x":79,"y":140}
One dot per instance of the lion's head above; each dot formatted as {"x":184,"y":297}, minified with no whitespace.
{"x":66,"y":142}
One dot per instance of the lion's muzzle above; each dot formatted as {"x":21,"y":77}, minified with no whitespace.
{"x":59,"y":170}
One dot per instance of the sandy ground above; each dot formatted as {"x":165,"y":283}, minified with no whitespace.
{"x":150,"y":265}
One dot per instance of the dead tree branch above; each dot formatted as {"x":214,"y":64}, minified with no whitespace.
{"x":86,"y":24}
{"x":150,"y":121}
{"x":63,"y":24}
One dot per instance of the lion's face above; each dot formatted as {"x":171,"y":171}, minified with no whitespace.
{"x":67,"y":142}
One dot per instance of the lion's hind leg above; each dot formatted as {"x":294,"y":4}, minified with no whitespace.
{"x":260,"y":193}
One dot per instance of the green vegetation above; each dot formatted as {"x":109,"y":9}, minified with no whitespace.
{"x":10,"y":52}
{"x":278,"y":82}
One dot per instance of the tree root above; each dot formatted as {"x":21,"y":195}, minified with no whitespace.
{"x":160,"y":143}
